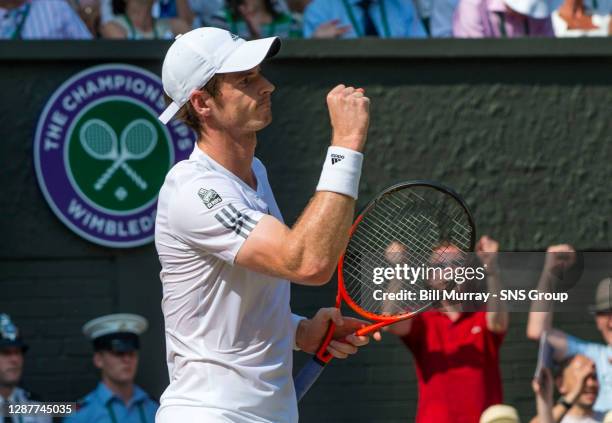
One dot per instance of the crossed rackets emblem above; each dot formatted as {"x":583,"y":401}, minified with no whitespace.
{"x":137,"y":141}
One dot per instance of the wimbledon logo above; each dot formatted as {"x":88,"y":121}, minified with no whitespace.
{"x":101,"y":155}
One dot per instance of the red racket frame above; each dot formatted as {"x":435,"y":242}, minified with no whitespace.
{"x":325,"y":356}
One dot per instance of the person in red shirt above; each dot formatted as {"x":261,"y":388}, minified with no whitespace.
{"x":456,"y":353}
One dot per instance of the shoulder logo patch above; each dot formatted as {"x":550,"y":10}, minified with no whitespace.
{"x":209,"y":197}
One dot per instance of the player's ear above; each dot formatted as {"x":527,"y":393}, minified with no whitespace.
{"x":201,"y":102}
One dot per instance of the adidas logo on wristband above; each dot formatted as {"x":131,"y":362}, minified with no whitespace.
{"x":335,"y":158}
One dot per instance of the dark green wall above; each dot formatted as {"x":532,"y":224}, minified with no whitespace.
{"x":521,"y":128}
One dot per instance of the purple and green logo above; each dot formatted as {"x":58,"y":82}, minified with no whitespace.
{"x":101,"y":155}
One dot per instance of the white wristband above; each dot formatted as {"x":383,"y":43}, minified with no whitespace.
{"x":341,"y":171}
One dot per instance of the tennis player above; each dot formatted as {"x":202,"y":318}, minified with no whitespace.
{"x":225,"y":252}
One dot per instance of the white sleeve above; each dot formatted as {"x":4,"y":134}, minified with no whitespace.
{"x":212,"y":216}
{"x":295,"y":322}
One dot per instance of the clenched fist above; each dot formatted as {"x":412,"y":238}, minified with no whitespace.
{"x":349,"y":112}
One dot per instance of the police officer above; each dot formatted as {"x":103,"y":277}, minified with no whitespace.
{"x":116,"y":399}
{"x":12,"y":351}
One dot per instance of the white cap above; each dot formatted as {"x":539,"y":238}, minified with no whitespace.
{"x":195,"y":57}
{"x":538,"y":9}
{"x":115,"y":323}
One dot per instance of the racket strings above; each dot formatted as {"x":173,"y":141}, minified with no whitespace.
{"x":408,"y":225}
{"x":404,"y":228}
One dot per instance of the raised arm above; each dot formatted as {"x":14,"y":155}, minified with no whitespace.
{"x":558,"y":257}
{"x":543,"y":390}
{"x":497,"y":316}
{"x":307,"y":253}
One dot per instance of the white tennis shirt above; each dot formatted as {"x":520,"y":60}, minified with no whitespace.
{"x":229,"y":330}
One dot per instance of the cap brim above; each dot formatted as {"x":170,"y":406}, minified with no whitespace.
{"x":251,"y":54}
{"x":594,"y":309}
{"x":123,"y":347}
{"x":17,"y":343}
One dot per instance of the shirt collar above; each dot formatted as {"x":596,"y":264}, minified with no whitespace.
{"x":104,"y":393}
{"x":199,"y":155}
{"x":139,"y":395}
{"x":462,"y":315}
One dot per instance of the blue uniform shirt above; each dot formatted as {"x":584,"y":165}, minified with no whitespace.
{"x":601,"y":355}
{"x":103,"y":406}
{"x":400,"y":19}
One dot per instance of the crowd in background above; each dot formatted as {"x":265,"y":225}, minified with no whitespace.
{"x":252,"y":19}
{"x":456,"y":356}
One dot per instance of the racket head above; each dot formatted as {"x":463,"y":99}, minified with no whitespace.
{"x":426,"y":222}
{"x":98,"y":139}
{"x":138,"y":139}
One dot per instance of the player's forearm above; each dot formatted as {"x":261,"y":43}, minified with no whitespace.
{"x":319,"y":237}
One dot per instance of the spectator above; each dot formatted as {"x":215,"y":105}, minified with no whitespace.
{"x":89,"y":12}
{"x":162,"y":9}
{"x":253,"y":19}
{"x":205,"y":11}
{"x":441,"y":19}
{"x":598,"y":7}
{"x":500,"y":413}
{"x":116,"y":399}
{"x":12,"y":350}
{"x":565,"y":345}
{"x":298,"y":6}
{"x":577,"y":383}
{"x":456,"y":354}
{"x":423,"y":10}
{"x":362,"y":18}
{"x":138,"y":24}
{"x":572,"y":20}
{"x":168,"y":9}
{"x":40,"y":19}
{"x":503,"y":19}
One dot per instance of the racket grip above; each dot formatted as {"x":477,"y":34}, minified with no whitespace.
{"x":307,"y":376}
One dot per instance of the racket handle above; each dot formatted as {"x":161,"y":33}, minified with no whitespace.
{"x":307,"y":376}
{"x":313,"y":368}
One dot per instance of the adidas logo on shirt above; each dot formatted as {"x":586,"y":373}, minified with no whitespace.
{"x":235,"y":221}
{"x":335,"y":158}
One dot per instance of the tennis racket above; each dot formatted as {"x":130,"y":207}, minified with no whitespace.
{"x":414,"y":223}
